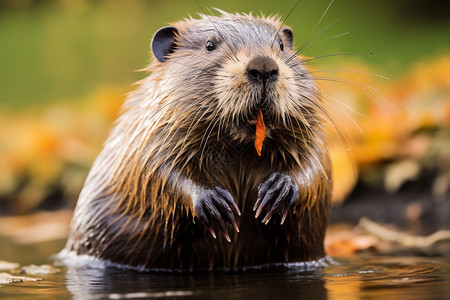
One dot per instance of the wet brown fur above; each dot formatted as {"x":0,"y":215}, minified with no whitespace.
{"x":184,"y":122}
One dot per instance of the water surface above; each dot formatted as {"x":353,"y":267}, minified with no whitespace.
{"x":362,"y":277}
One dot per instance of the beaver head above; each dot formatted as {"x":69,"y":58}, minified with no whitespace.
{"x":223,"y":69}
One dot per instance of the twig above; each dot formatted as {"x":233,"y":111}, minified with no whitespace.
{"x":402,"y":238}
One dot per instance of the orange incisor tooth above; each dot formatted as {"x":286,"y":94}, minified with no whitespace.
{"x":260,"y":133}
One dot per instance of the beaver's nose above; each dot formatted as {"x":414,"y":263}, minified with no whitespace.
{"x":262,"y":68}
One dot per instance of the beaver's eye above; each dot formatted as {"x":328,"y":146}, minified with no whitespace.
{"x":281,"y":45}
{"x":210,"y":46}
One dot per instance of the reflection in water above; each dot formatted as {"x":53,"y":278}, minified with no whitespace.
{"x":387,"y":278}
{"x":390,"y":278}
{"x":114,"y":283}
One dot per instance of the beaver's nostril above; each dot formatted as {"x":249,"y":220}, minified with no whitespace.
{"x":254,"y":74}
{"x":273,"y":75}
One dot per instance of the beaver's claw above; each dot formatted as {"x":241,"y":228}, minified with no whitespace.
{"x":276,"y":193}
{"x":214,"y":207}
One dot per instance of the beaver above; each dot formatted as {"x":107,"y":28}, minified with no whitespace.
{"x":179,"y":184}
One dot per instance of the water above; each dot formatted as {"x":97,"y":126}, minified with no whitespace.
{"x":363,"y":277}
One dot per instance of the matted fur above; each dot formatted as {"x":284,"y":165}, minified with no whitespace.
{"x":187,"y":127}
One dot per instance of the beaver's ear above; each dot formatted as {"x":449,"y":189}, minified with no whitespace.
{"x":289,"y":36}
{"x":163,"y":42}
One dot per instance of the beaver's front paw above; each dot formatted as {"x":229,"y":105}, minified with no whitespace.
{"x":214,"y":207}
{"x":276,"y":193}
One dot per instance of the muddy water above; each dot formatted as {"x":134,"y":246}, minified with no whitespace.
{"x":367,"y":277}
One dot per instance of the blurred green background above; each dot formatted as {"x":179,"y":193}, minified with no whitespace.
{"x":62,"y":50}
